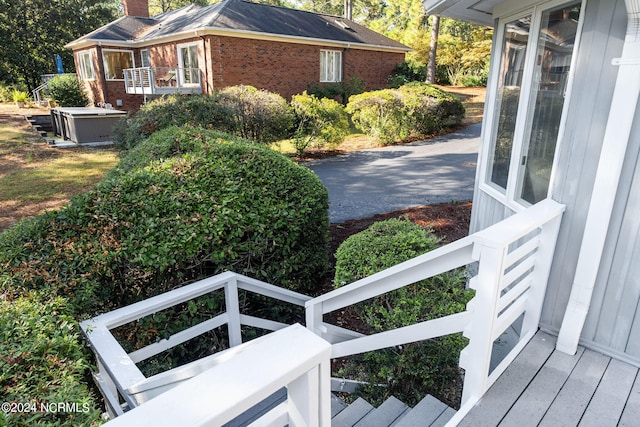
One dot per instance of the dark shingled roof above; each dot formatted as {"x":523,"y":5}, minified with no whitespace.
{"x":241,"y":16}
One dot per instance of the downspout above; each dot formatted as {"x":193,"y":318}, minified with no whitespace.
{"x":614,"y":147}
{"x":206,"y":64}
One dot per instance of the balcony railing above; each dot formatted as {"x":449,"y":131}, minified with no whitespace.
{"x":510,"y":264}
{"x":162,"y":80}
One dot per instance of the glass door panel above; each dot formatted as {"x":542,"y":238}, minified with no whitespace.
{"x":189,"y":72}
{"x":556,"y":40}
{"x":512,"y":64}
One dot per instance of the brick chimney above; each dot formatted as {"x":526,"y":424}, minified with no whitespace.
{"x":136,"y":8}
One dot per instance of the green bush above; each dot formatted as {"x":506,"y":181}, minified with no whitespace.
{"x":430,"y":109}
{"x":415,"y":109}
{"x":19,"y":96}
{"x":259,"y":115}
{"x":408,"y":71}
{"x":338,"y":91}
{"x":175,"y":110}
{"x":67,"y":92}
{"x":205,"y":208}
{"x":43,"y":365}
{"x":320,"y":121}
{"x":379,"y":114}
{"x":411,"y":371}
{"x":6,"y":91}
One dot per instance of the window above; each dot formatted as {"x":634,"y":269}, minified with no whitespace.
{"x":330,"y":66}
{"x":85,"y":65}
{"x":145,"y":60}
{"x":532,"y":78}
{"x":189,"y":71}
{"x":115,"y":61}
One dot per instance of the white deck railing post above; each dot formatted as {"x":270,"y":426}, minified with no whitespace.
{"x":233,"y":311}
{"x":475,"y":359}
{"x":540,"y":276}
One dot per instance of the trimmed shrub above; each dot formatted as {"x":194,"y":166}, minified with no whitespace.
{"x":431,"y":110}
{"x":379,"y":114}
{"x":210,"y":207}
{"x":415,"y":109}
{"x":320,"y":121}
{"x":259,"y":115}
{"x":175,"y":110}
{"x":43,"y":365}
{"x":411,"y":371}
{"x":67,"y":92}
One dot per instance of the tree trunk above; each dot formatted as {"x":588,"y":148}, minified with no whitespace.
{"x":433,"y":47}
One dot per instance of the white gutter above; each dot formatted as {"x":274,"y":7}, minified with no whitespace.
{"x":614,"y":148}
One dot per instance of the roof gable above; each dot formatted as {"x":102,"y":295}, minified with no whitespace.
{"x":236,"y":17}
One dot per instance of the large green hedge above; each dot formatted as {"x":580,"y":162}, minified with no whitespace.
{"x":411,"y":371}
{"x":203,"y":206}
{"x":413,"y":110}
{"x":257,"y":115}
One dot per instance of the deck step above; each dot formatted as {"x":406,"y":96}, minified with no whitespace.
{"x":353,"y":413}
{"x":390,"y":410}
{"x":337,"y":405}
{"x":429,"y":412}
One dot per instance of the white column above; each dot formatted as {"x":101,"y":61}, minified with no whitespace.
{"x":614,"y":148}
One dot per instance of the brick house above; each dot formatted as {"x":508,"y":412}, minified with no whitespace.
{"x":197,"y":49}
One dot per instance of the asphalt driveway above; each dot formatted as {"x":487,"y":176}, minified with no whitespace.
{"x":369,"y":182}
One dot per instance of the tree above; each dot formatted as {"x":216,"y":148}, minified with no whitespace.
{"x":433,"y":48}
{"x":34,"y":31}
{"x":464,"y":50}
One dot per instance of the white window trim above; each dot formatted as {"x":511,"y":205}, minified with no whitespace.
{"x":84,"y":57}
{"x":334,"y":53}
{"x":148,"y":56}
{"x":509,"y":197}
{"x":181,"y":79}
{"x":104,"y":63}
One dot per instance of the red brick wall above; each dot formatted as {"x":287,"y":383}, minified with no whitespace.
{"x":288,"y":68}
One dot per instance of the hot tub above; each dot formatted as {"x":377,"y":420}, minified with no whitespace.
{"x":85,"y":124}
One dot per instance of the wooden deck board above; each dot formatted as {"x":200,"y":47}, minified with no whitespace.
{"x":631,"y":414}
{"x":495,"y":404}
{"x":605,"y":408}
{"x":575,"y":395}
{"x":543,"y":387}
{"x":539,"y":395}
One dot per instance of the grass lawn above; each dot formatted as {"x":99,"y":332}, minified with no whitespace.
{"x":35,"y":177}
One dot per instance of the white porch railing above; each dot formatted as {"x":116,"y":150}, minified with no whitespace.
{"x":162,"y":80}
{"x":122,"y":383}
{"x":262,"y":367}
{"x":512,"y":260}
